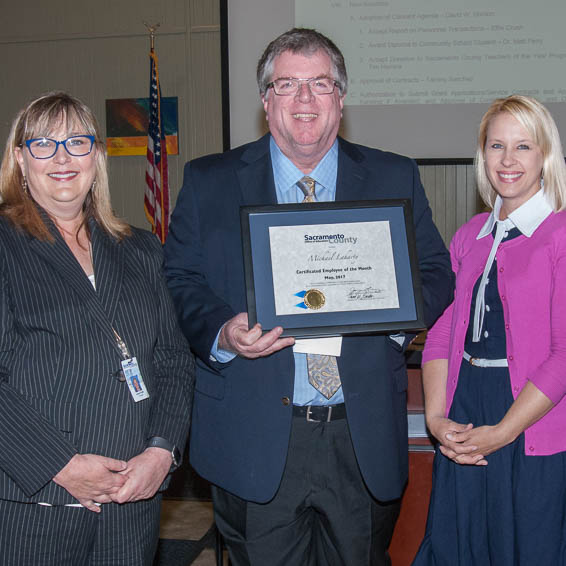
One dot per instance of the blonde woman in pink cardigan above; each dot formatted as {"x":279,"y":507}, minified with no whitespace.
{"x":494,"y":365}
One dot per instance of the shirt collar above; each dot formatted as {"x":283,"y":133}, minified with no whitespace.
{"x":287,"y":173}
{"x":527,"y":218}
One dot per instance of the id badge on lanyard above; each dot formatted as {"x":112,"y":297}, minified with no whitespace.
{"x":131,"y":372}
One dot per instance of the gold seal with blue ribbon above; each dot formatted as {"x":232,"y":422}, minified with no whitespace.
{"x":313,"y":299}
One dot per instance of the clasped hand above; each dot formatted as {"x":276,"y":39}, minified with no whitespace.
{"x":94,"y":479}
{"x":465,"y":444}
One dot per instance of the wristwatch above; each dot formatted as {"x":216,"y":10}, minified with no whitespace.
{"x":159,"y":442}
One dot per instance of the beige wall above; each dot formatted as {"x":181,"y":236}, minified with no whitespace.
{"x":99,"y":50}
{"x":452,"y":194}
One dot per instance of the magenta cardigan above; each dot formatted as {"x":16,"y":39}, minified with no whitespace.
{"x":532,"y":285}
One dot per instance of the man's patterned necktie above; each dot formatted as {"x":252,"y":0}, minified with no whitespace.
{"x":322,"y":370}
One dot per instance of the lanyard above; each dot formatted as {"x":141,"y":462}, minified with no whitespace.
{"x":124,"y":352}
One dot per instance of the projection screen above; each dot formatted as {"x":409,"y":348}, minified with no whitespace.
{"x":421,"y":73}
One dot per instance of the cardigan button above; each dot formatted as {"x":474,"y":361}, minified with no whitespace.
{"x":531,"y":448}
{"x":510,"y":357}
{"x":501,"y":270}
{"x":286,"y":401}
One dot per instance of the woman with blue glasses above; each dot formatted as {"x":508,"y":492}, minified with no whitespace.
{"x":95,"y":376}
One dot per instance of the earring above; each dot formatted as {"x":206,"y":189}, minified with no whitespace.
{"x":542,"y":182}
{"x":93,"y":185}
{"x":25,"y":185}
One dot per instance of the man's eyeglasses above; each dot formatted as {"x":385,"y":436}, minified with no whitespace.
{"x":44,"y":148}
{"x":290,"y":87}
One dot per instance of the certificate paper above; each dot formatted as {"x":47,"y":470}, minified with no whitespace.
{"x":333,"y":267}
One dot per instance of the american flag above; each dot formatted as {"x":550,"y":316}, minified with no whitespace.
{"x":156,"y":200}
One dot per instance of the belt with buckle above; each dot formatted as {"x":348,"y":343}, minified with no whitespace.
{"x":320,"y":413}
{"x":485,"y":363}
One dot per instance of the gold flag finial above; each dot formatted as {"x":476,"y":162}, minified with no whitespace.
{"x":151,"y":29}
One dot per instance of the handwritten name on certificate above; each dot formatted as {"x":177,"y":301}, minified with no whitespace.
{"x":333,"y":267}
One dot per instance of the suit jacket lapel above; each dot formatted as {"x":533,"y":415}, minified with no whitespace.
{"x":109,"y":264}
{"x":256,"y":174}
{"x":60,"y":258}
{"x":351,"y":182}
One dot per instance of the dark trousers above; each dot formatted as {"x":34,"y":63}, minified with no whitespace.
{"x":121,"y":535}
{"x":322,"y":514}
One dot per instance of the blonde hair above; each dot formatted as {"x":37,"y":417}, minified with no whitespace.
{"x":37,"y":119}
{"x":540,"y":125}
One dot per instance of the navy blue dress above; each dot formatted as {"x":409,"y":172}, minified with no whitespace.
{"x":511,"y":512}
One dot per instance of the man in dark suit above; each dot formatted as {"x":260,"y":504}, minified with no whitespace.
{"x":305,"y":471}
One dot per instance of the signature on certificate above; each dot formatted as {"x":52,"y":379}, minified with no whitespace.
{"x":364,"y":294}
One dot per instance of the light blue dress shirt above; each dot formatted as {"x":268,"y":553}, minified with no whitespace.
{"x":286,"y":176}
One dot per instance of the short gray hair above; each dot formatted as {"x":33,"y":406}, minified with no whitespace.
{"x":302,"y":41}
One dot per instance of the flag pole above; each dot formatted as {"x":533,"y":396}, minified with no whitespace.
{"x":156,"y":198}
{"x":151,"y":29}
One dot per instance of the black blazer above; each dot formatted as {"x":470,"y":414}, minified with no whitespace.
{"x":241,"y":425}
{"x":58,"y":354}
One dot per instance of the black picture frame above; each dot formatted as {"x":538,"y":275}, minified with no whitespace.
{"x":256,"y":221}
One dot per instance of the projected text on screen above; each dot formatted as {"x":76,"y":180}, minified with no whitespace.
{"x":441,"y":51}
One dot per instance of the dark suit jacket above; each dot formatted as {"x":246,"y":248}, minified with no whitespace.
{"x":58,"y":395}
{"x":241,"y":425}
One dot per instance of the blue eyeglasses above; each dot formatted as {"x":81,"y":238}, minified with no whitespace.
{"x":44,"y":148}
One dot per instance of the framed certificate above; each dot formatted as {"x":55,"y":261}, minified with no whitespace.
{"x":332,"y":268}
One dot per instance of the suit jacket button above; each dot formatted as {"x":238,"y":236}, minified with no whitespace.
{"x":286,"y":401}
